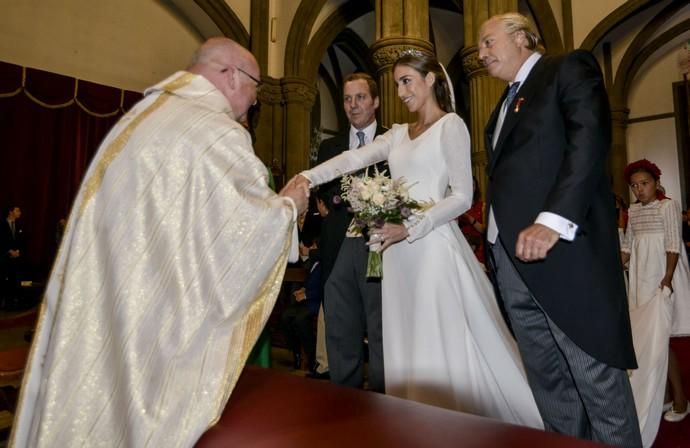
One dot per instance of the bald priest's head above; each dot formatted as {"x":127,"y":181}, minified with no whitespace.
{"x":232,"y":69}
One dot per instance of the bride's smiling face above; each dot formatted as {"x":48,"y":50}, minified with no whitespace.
{"x":413,"y":89}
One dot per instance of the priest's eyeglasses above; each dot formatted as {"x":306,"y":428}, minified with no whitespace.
{"x":258,"y":82}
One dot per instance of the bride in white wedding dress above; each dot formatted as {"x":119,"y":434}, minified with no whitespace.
{"x":445,"y":341}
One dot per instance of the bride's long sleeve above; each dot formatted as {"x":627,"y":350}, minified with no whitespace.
{"x":455,"y":148}
{"x":350,"y":161}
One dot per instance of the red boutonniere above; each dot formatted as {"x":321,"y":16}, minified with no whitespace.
{"x":518,"y":103}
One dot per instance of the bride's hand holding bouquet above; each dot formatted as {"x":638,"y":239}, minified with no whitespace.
{"x":387,"y":235}
{"x":380,"y":204}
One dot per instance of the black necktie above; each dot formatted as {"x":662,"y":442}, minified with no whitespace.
{"x":512,"y":91}
{"x":12,"y":227}
{"x":360,"y":136}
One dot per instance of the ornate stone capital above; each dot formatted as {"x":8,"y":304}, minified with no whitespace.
{"x":386,"y":51}
{"x":298,"y":90}
{"x":271,"y":91}
{"x":471,"y":64}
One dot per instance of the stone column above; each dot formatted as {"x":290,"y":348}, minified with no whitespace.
{"x":485,"y":91}
{"x":299,"y":97}
{"x":618,"y":158}
{"x":400,"y":25}
{"x":269,"y":129}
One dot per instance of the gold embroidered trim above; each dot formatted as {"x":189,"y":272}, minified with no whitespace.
{"x":92,"y":184}
{"x":253,"y":323}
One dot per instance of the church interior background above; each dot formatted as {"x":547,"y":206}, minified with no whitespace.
{"x":112,"y":51}
{"x":306,"y":47}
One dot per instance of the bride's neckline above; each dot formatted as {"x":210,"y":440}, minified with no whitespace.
{"x":423,"y":130}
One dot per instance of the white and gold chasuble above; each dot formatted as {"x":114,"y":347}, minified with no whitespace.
{"x":170,"y":265}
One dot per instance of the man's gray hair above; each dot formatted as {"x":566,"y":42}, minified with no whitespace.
{"x":514,"y":22}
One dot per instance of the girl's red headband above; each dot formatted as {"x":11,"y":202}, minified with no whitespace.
{"x":641,"y":165}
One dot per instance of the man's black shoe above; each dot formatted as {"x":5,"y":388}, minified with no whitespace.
{"x":318,"y":376}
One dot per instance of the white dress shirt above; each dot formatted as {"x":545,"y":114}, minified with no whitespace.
{"x":369,"y":134}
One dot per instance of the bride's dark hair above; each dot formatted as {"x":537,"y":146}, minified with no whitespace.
{"x":427,"y":63}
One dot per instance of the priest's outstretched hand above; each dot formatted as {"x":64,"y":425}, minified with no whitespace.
{"x":298,"y":192}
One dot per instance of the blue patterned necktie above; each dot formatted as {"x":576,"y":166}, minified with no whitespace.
{"x":360,"y":136}
{"x":510,"y":96}
{"x":512,"y":91}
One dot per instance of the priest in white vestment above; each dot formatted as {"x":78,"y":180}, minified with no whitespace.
{"x":172,"y":259}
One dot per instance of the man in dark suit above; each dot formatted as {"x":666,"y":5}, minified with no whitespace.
{"x":10,"y":249}
{"x":352,"y":302}
{"x":552,"y":233}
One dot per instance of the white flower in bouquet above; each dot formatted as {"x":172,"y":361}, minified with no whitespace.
{"x":379,"y":199}
{"x":376,"y":200}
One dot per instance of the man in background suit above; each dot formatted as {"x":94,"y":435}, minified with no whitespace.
{"x":352,"y":302}
{"x":11,"y":248}
{"x":552,"y":233}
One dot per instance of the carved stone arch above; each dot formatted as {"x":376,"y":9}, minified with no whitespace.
{"x":625,"y":73}
{"x":326,"y":35}
{"x":335,"y":65}
{"x":546,"y":23}
{"x":298,"y":36}
{"x":632,"y":61}
{"x":356,"y":50}
{"x":617,"y":17}
{"x":645,"y":53}
{"x":225,"y":19}
{"x":334,"y":91}
{"x":302,"y":59}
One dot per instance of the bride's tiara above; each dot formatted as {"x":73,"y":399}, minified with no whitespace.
{"x":412,"y":52}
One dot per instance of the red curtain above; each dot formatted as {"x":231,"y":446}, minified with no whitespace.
{"x":50,"y":128}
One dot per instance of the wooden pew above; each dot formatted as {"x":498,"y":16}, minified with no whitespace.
{"x":272,"y":409}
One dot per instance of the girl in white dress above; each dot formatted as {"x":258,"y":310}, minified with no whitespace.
{"x":445,"y":341}
{"x":658,"y":295}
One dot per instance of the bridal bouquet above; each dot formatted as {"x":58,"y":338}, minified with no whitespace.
{"x":376,"y":200}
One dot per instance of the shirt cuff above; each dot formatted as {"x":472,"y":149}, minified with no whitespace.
{"x":566,"y":229}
